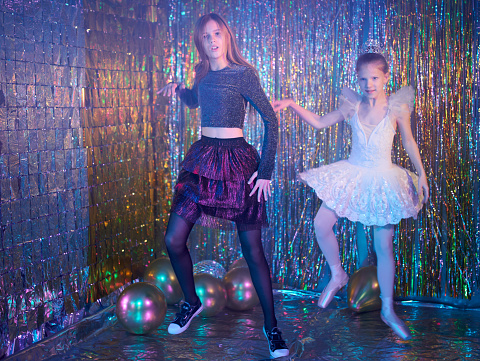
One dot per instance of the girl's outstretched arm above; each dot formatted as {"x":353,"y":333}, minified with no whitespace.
{"x":403,"y":121}
{"x":188,"y":96}
{"x":315,"y":120}
{"x":348,"y":101}
{"x":170,"y":89}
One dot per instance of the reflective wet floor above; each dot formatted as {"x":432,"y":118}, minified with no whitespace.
{"x":334,"y":333}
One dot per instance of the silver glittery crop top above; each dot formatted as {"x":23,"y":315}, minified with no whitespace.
{"x":223,"y":95}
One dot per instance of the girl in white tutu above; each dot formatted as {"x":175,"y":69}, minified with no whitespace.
{"x":367,"y":187}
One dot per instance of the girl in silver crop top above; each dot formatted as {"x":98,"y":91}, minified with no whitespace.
{"x":222,"y":176}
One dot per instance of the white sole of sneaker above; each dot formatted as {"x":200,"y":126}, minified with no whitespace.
{"x":277,"y":353}
{"x":280,"y":353}
{"x":174,"y":329}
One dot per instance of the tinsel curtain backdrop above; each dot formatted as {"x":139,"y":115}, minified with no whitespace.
{"x":307,"y":50}
{"x":89,"y":153}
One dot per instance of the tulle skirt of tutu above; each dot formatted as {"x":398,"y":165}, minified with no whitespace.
{"x":212,"y":187}
{"x":372,"y":196}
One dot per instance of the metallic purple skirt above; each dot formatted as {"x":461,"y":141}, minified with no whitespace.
{"x":212,"y":187}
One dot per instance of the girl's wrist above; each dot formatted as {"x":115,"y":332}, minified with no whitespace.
{"x":177,"y":88}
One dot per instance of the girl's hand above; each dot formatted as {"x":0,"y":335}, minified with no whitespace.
{"x":263,"y":186}
{"x":169,"y":89}
{"x":281,"y":104}
{"x":423,"y":186}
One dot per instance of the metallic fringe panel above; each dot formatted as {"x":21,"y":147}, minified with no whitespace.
{"x":89,"y":153}
{"x":307,"y":50}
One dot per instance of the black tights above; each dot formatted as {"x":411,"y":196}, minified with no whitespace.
{"x":176,"y":237}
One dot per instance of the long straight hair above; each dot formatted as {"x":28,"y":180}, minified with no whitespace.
{"x":233,"y":54}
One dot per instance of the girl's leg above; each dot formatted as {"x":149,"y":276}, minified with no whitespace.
{"x":383,"y":242}
{"x":252,"y":249}
{"x":176,"y":237}
{"x":362,"y":245}
{"x":324,"y":222}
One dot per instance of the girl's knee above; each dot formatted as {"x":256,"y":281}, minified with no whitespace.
{"x":254,"y":257}
{"x":383,"y":248}
{"x":322,"y":229}
{"x":324,"y":222}
{"x":383,"y":239}
{"x":173,"y":244}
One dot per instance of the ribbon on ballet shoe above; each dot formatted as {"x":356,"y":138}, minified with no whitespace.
{"x":398,"y":326}
{"x":331,"y":290}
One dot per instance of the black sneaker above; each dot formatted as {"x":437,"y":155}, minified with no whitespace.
{"x":276,"y":345}
{"x":183,"y":319}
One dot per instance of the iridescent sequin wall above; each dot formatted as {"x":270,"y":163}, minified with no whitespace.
{"x":89,"y":153}
{"x":80,"y":139}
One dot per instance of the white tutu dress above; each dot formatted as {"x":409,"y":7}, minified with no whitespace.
{"x":367,"y":187}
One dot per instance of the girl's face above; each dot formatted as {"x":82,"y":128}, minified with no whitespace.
{"x":214,"y":43}
{"x":372,"y":80}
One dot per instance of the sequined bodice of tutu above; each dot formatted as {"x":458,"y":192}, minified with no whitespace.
{"x":367,"y":187}
{"x":372,"y":150}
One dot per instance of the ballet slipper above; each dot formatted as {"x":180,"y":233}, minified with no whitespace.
{"x":397,"y":325}
{"x":334,"y":285}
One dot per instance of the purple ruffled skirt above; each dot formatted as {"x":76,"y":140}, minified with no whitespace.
{"x":212,"y":187}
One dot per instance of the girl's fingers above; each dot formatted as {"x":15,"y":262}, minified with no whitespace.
{"x":263,"y":188}
{"x":163,"y":90}
{"x":261,"y":191}
{"x":168,"y":90}
{"x":253,"y":190}
{"x":278,"y":105}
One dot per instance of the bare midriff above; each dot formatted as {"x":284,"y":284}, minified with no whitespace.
{"x":222,"y":133}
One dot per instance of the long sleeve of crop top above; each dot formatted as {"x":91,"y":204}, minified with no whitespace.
{"x":252,"y":91}
{"x":188,"y":96}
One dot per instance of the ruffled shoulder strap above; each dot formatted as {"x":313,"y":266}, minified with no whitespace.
{"x":405,"y":95}
{"x":349,"y":103}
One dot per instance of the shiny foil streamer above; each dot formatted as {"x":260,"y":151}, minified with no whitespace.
{"x":89,"y":153}
{"x":307,"y":50}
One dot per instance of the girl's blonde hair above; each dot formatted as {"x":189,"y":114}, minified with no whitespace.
{"x":371,"y":58}
{"x":233,"y":54}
